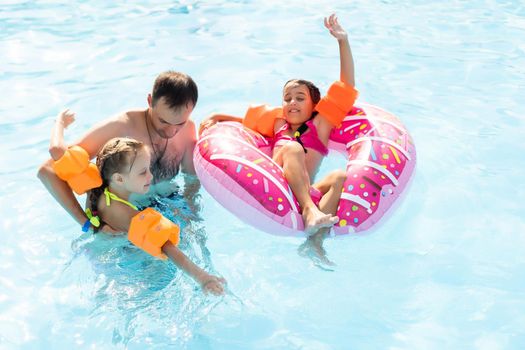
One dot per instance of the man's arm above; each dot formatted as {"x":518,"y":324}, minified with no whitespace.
{"x":192,"y":184}
{"x":190,"y":140}
{"x":61,"y":191}
{"x":92,"y":142}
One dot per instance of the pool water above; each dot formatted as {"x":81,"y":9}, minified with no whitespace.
{"x":446,"y":270}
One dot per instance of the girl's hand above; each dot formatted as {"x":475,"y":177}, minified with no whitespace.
{"x":207,"y":123}
{"x":213,"y":284}
{"x":66,"y":117}
{"x":332,"y":24}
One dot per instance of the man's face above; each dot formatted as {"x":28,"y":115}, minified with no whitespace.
{"x":168,"y":121}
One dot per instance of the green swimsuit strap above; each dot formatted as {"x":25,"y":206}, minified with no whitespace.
{"x":110,"y":196}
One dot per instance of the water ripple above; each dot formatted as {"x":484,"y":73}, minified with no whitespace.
{"x":445,"y":271}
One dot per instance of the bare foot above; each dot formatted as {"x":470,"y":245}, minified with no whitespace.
{"x":314,"y":219}
{"x":313,"y":249}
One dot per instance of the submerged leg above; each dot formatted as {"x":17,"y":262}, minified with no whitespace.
{"x":331,"y":187}
{"x":313,"y":249}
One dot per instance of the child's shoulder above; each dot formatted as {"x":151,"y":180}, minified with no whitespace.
{"x":322,"y":125}
{"x":118,"y":215}
{"x":102,"y":208}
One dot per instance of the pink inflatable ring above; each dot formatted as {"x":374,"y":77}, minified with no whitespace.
{"x":234,"y":165}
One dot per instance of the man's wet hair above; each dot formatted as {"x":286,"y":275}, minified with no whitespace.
{"x":178,"y":90}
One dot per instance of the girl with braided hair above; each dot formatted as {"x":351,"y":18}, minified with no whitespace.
{"x":124,"y":168}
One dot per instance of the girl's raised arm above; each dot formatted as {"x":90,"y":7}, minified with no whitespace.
{"x":345,"y":52}
{"x":57,"y":146}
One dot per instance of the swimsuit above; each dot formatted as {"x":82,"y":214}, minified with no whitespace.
{"x":93,"y":218}
{"x":316,"y":196}
{"x":307,"y":140}
{"x":110,"y":196}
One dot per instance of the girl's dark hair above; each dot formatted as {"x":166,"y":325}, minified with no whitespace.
{"x":117,"y":156}
{"x":314,"y":90}
{"x":315,"y":94}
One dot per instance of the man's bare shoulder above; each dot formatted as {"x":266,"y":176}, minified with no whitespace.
{"x":189,"y":130}
{"x":128,"y":118}
{"x":125,"y":124}
{"x":132,"y":115}
{"x":118,"y":120}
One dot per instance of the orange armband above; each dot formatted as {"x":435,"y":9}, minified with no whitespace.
{"x":75,"y":168}
{"x":261,"y":119}
{"x":337,"y":103}
{"x":149,"y":230}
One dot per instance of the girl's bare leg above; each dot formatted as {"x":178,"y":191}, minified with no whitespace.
{"x":331,"y":187}
{"x":292,"y":159}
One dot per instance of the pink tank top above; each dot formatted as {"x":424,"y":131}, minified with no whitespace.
{"x":310,"y":138}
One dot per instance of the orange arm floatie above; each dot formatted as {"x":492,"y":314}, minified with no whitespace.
{"x":75,"y":168}
{"x":149,"y":230}
{"x":261,"y":119}
{"x":337,"y":103}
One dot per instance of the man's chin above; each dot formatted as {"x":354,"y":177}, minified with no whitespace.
{"x":163,"y":135}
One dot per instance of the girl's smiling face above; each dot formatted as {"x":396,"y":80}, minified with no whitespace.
{"x":297,"y":103}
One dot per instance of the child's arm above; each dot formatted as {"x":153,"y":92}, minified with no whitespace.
{"x":119,"y":216}
{"x":332,"y":114}
{"x":215,"y":118}
{"x":208,"y":283}
{"x":57,"y":146}
{"x":279,"y":123}
{"x":260,"y":118}
{"x":345,"y":53}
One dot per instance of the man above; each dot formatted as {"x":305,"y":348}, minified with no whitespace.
{"x":164,"y":126}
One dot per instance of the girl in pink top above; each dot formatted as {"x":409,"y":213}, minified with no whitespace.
{"x":301,"y":136}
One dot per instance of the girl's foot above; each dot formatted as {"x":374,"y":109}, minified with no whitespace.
{"x":313,"y":249}
{"x":314,"y":220}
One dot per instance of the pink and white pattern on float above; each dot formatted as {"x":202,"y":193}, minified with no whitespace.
{"x":234,"y":165}
{"x":381,"y":162}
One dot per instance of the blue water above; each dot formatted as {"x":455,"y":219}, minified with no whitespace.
{"x":446,"y":271}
